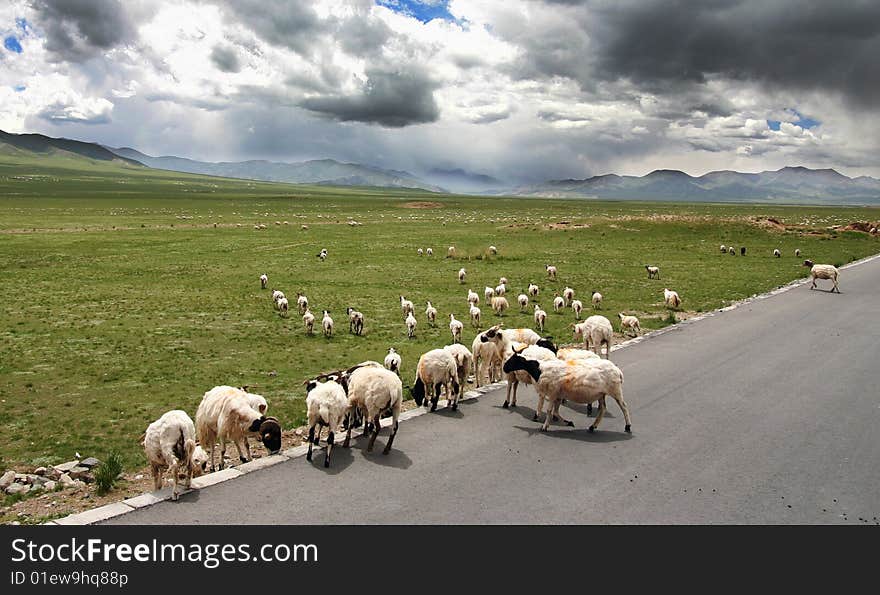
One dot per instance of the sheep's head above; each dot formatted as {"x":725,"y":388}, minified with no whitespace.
{"x":270,"y":434}
{"x":199,"y":461}
{"x":490,"y":334}
{"x":517,"y":362}
{"x":547,"y":343}
{"x":808,"y":263}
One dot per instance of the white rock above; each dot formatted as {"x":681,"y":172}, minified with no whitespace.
{"x":7,"y":479}
{"x":40,"y":471}
{"x":16,"y":488}
{"x":50,"y":486}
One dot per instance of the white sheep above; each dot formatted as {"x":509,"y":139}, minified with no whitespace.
{"x":327,"y":324}
{"x":373,"y":391}
{"x":355,"y":321}
{"x":170,"y":443}
{"x":533,"y":290}
{"x":670,"y":298}
{"x":309,"y":321}
{"x":436,"y":368}
{"x":653,"y":271}
{"x":558,"y":303}
{"x":523,"y":300}
{"x":411,"y":323}
{"x":595,"y":331}
{"x":514,"y":378}
{"x":489,"y":293}
{"x":474,"y":313}
{"x":277,"y":295}
{"x":823,"y":271}
{"x":283,"y":306}
{"x":420,"y":251}
{"x":464,"y":359}
{"x":322,"y":254}
{"x":732,"y":251}
{"x":302,"y":303}
{"x":502,"y":281}
{"x":486,"y":362}
{"x":579,"y":381}
{"x":540,"y":317}
{"x":501,"y":289}
{"x":551,"y":272}
{"x":493,"y":250}
{"x":455,"y":327}
{"x":225,"y":414}
{"x":797,"y":252}
{"x":430,"y":251}
{"x":461,"y":275}
{"x":777,"y":253}
{"x":499,"y":305}
{"x":406,"y":306}
{"x":629,"y":324}
{"x":326,"y":405}
{"x":568,"y":295}
{"x":450,"y":252}
{"x":578,"y":307}
{"x":504,"y":339}
{"x":723,"y":248}
{"x":264,"y":281}
{"x":473,"y":298}
{"x":431,"y":313}
{"x":392,"y":361}
{"x":569,"y":353}
{"x":597,"y":300}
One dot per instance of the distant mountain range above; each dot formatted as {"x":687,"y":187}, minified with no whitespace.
{"x":789,"y":184}
{"x":322,"y":171}
{"x":786,"y":185}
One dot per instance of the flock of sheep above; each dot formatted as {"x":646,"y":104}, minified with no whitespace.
{"x":364,"y":393}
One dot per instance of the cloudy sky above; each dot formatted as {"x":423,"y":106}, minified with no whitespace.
{"x":522,"y":90}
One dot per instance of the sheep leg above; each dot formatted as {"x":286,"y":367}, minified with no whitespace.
{"x":623,"y":407}
{"x":238,"y":448}
{"x":540,"y":408}
{"x":391,"y":437}
{"x":174,"y":472}
{"x":347,"y":441}
{"x":599,"y":415}
{"x":557,"y":417}
{"x":436,"y":399}
{"x":329,"y":449}
{"x":312,"y":440}
{"x":247,"y":448}
{"x":376,"y":426}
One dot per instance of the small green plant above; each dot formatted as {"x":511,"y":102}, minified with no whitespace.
{"x":670,"y":317}
{"x":107,"y":472}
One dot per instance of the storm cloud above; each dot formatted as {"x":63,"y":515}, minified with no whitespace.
{"x":77,"y":30}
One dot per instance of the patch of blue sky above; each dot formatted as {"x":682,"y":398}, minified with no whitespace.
{"x":423,"y":10}
{"x":19,"y":88}
{"x":798,"y":118}
{"x":11,"y":44}
{"x":22,"y":24}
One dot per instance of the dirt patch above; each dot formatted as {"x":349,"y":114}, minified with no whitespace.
{"x":863,"y":226}
{"x":567,"y":225}
{"x":422,"y":204}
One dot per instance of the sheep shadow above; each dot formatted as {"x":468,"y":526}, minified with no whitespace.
{"x":581,"y":434}
{"x":340,"y":459}
{"x":396,"y":458}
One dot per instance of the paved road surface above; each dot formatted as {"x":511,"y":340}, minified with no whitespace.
{"x":765,"y":414}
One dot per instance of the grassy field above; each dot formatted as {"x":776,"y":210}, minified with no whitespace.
{"x":120,"y":299}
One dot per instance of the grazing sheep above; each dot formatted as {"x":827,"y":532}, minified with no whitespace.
{"x":504,"y":339}
{"x":303,"y":227}
{"x":473,"y":298}
{"x":225,"y":414}
{"x":411,"y":323}
{"x":540,"y":317}
{"x":309,"y":321}
{"x":654,"y":272}
{"x":170,"y":443}
{"x":551,"y":272}
{"x":326,"y":405}
{"x":731,"y":251}
{"x":485,"y":360}
{"x":327,"y":324}
{"x":514,"y":378}
{"x":671,"y":299}
{"x":523,"y":300}
{"x":302,"y":302}
{"x":489,"y":292}
{"x":597,"y":300}
{"x":283,"y":306}
{"x":420,"y":251}
{"x":578,"y":307}
{"x":455,"y":327}
{"x":392,"y":361}
{"x":723,"y":248}
{"x":355,"y":321}
{"x":595,"y":331}
{"x":436,"y":368}
{"x":629,"y":324}
{"x":533,"y":290}
{"x":493,"y":250}
{"x":823,"y":271}
{"x":797,"y":252}
{"x":499,"y":305}
{"x":568,"y":295}
{"x":373,"y":391}
{"x":502,"y":281}
{"x":558,"y":303}
{"x":777,"y":253}
{"x":501,"y":289}
{"x":475,"y":316}
{"x":264,"y":281}
{"x":276,"y":295}
{"x":431,"y":313}
{"x":430,"y":251}
{"x":461,"y":275}
{"x":450,"y":252}
{"x":406,"y":306}
{"x":579,"y":381}
{"x":464,"y":359}
{"x":322,"y":254}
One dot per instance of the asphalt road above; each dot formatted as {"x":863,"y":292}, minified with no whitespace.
{"x":768,"y":413}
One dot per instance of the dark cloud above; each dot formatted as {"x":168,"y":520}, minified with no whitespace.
{"x":788,"y":44}
{"x":288,"y":23}
{"x":225,"y":58}
{"x":390,"y":98}
{"x":77,"y":30}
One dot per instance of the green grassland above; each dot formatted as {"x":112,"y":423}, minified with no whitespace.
{"x":120,"y":299}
